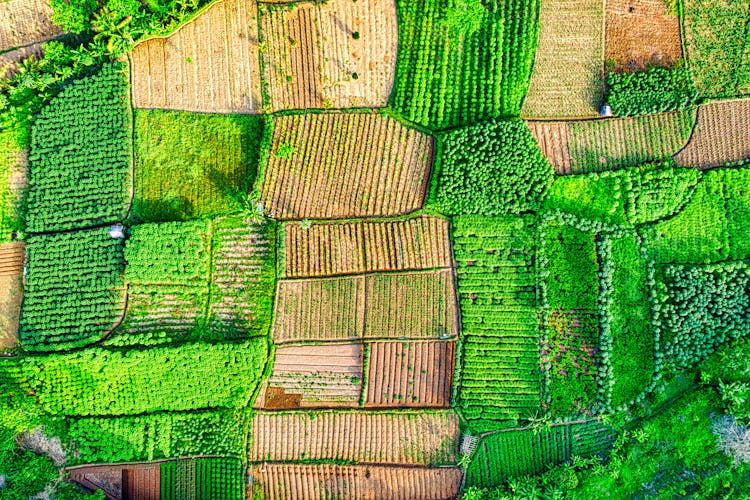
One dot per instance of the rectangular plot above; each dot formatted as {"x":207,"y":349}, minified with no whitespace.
{"x":23,"y":22}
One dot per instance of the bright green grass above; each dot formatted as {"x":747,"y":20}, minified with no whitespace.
{"x":191,"y":165}
{"x":12,"y":144}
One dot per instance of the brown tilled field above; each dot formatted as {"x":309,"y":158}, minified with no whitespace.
{"x":9,"y":60}
{"x":24,"y":22}
{"x":211,"y":64}
{"x":314,"y":376}
{"x":364,"y":246}
{"x":721,"y":135}
{"x":12,"y":258}
{"x":641,"y":32}
{"x":337,"y":54}
{"x":357,"y":482}
{"x":404,"y":305}
{"x":404,"y":437}
{"x":368,"y":165}
{"x":415,"y":374}
{"x":127,"y":481}
{"x":553,"y":141}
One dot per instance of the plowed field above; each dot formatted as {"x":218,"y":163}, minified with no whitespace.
{"x":553,"y":141}
{"x":721,"y":135}
{"x":337,"y":54}
{"x":415,"y":438}
{"x":326,"y":166}
{"x":410,"y":305}
{"x":210,"y":64}
{"x":357,"y":482}
{"x":23,"y":22}
{"x":416,"y":374}
{"x":314,"y":375}
{"x":357,"y":247}
{"x":12,"y":257}
{"x":130,"y":481}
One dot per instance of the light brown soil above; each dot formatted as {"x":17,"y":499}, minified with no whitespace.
{"x":721,"y":135}
{"x":553,"y":141}
{"x":125,"y":481}
{"x":368,"y":165}
{"x":12,"y":258}
{"x":415,"y":438}
{"x":410,"y":374}
{"x":357,"y":482}
{"x":641,"y":32}
{"x":364,"y":246}
{"x":323,"y":375}
{"x":210,"y":64}
{"x":23,"y":22}
{"x":313,"y":60}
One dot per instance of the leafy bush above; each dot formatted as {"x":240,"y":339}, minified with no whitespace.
{"x":492,"y":168}
{"x":655,"y":90}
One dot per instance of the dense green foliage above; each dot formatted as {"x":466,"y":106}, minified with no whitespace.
{"x":462,"y":61}
{"x":80,"y":155}
{"x":570,"y":346}
{"x":12,"y":145}
{"x":74,"y":290}
{"x":698,"y":309}
{"x":493,"y":168}
{"x":205,"y":478}
{"x":499,"y":379}
{"x":193,"y":165}
{"x":728,"y":370}
{"x":655,"y":90}
{"x":157,"y":435}
{"x":737,"y":195}
{"x":716,"y":46}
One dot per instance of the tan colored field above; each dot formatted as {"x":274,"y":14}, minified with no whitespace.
{"x":314,"y":376}
{"x":23,"y":22}
{"x":404,"y":437}
{"x":210,"y":64}
{"x":367,"y":165}
{"x":409,"y":305}
{"x":357,"y":482}
{"x":553,"y":141}
{"x":337,"y":54}
{"x":141,"y":481}
{"x":641,"y":32}
{"x":567,"y":81}
{"x":12,"y":258}
{"x":411,"y":374}
{"x":721,"y":135}
{"x":364,"y":246}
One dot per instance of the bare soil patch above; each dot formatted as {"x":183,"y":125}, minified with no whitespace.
{"x":23,"y":22}
{"x":12,"y":258}
{"x":120,"y":481}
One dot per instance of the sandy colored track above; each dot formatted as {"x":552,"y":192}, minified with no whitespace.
{"x":405,"y":437}
{"x":12,"y":258}
{"x":641,"y":32}
{"x":141,"y":481}
{"x":312,"y":59}
{"x":569,"y":64}
{"x":553,"y":141}
{"x":408,"y":305}
{"x":416,"y":374}
{"x":363,"y":246}
{"x":721,"y":135}
{"x":210,"y":64}
{"x":314,"y":375}
{"x":357,"y":482}
{"x":345,"y":165}
{"x":23,"y":22}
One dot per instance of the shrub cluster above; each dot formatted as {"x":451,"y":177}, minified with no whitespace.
{"x":655,"y":90}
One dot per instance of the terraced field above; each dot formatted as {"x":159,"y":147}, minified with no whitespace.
{"x":721,"y":135}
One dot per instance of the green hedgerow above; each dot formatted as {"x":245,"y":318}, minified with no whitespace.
{"x":655,"y":90}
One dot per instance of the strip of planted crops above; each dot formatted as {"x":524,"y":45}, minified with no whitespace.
{"x":721,"y":135}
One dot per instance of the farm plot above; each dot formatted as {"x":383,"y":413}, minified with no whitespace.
{"x":337,"y":54}
{"x":325,"y":166}
{"x":211,"y":64}
{"x":406,"y":305}
{"x":13,"y":163}
{"x":357,"y":482}
{"x":499,"y":377}
{"x":140,"y":481}
{"x":10,"y":61}
{"x":12,"y":258}
{"x":554,"y":142}
{"x":314,"y":376}
{"x":721,"y":135}
{"x":364,"y":246}
{"x":404,"y":437}
{"x":416,"y":374}
{"x":641,"y":33}
{"x":213,"y":478}
{"x":23,"y":22}
{"x":567,"y":81}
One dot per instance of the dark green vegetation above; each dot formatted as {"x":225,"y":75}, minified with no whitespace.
{"x":492,"y":168}
{"x":80,"y":156}
{"x":193,"y":165}
{"x":209,"y":478}
{"x":12,"y":143}
{"x":655,"y":90}
{"x":462,"y":61}
{"x":74,"y":290}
